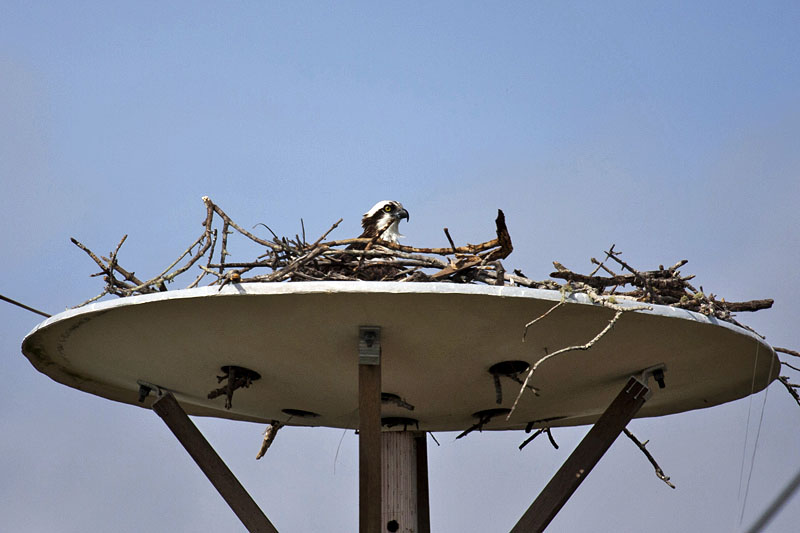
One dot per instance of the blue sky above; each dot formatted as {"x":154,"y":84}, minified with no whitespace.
{"x":672,"y":130}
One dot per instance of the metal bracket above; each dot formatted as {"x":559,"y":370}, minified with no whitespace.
{"x":369,"y":345}
{"x":145,"y":388}
{"x":657,"y":372}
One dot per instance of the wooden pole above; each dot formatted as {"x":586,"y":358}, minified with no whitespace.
{"x":399,"y":481}
{"x":215,"y":469}
{"x":575,"y":469}
{"x":423,"y":498}
{"x":369,"y":432}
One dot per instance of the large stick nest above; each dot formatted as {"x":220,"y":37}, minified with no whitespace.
{"x":295,"y":259}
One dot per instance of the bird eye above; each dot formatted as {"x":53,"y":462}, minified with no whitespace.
{"x":387,"y":208}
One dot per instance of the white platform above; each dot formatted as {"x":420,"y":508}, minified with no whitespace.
{"x":438,"y":340}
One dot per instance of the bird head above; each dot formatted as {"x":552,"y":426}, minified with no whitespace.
{"x":383,"y":220}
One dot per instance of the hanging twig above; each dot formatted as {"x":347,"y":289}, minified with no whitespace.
{"x":269,"y":437}
{"x":483,"y":419}
{"x":535,"y":320}
{"x":538,"y":432}
{"x":791,"y":387}
{"x":641,"y":445}
{"x":559,"y":352}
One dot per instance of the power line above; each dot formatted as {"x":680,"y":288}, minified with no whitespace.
{"x":18,"y":304}
{"x":773,"y":509}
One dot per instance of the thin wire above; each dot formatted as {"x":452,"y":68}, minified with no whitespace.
{"x":755,"y":444}
{"x":747,"y":427}
{"x":336,"y":457}
{"x":344,"y":432}
{"x":18,"y":304}
{"x":753,"y":458}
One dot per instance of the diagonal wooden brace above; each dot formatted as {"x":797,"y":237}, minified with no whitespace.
{"x":168,"y":408}
{"x":588,"y":453}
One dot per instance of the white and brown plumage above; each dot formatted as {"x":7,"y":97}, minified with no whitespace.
{"x":382,"y":221}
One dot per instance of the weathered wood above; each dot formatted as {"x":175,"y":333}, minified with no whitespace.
{"x":503,"y":239}
{"x":215,"y":469}
{"x":423,"y":495}
{"x":399,"y":480}
{"x":459,"y":266}
{"x":588,"y":453}
{"x":752,"y":305}
{"x":369,"y":448}
{"x":660,"y":279}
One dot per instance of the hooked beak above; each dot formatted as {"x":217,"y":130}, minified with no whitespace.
{"x":402,"y":213}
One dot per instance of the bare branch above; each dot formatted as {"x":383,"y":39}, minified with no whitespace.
{"x":538,"y":432}
{"x":562,"y":351}
{"x":212,"y":206}
{"x":790,"y":366}
{"x":641,"y":445}
{"x":450,"y":240}
{"x":535,"y":320}
{"x":791,"y":387}
{"x":787,"y":351}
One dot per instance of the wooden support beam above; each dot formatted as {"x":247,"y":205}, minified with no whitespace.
{"x":215,"y":469}
{"x":575,"y":469}
{"x":399,"y":480}
{"x":423,"y":498}
{"x":369,"y":431}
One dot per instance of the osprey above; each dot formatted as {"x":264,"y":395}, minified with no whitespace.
{"x":382,"y":220}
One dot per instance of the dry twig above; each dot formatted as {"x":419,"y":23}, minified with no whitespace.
{"x":287,"y":259}
{"x":269,"y":436}
{"x":787,"y":351}
{"x":561,"y":351}
{"x":791,"y":387}
{"x":538,"y":432}
{"x":641,"y":445}
{"x":295,"y":259}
